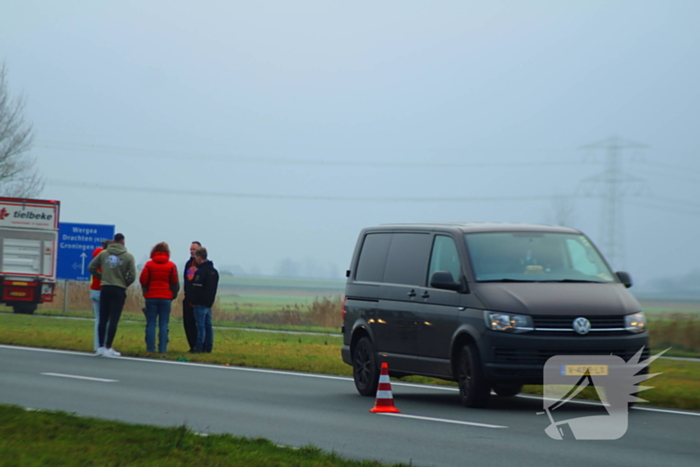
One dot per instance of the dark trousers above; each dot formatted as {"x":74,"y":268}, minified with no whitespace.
{"x":112,"y":300}
{"x":189,"y":323}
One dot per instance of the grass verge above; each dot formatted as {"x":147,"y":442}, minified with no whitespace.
{"x":41,"y":438}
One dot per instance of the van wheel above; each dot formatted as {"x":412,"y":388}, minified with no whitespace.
{"x":473,"y":390}
{"x":507,"y":390}
{"x":364,"y":367}
{"x":24,"y":308}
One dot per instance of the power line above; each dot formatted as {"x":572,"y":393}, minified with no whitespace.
{"x":676,"y":202}
{"x":685,"y":170}
{"x":676,"y":205}
{"x":172,"y":191}
{"x":654,"y":173}
{"x":650,"y":203}
{"x":140,"y":153}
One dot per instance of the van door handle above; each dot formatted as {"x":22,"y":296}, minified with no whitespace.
{"x":425,"y":295}
{"x":412,"y":293}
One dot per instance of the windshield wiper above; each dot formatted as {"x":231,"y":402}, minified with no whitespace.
{"x":574,"y":281}
{"x":505,"y":279}
{"x":580,"y":281}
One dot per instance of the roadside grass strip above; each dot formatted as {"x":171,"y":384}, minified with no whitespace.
{"x":33,"y":438}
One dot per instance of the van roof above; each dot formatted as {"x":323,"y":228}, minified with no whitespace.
{"x":468,"y":227}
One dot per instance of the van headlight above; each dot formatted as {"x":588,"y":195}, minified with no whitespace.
{"x":636,"y":322}
{"x":507,"y":322}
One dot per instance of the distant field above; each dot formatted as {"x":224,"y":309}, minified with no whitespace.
{"x":659,"y":307}
{"x":253,"y":294}
{"x":267,"y":294}
{"x":249,"y":294}
{"x":278,"y":283}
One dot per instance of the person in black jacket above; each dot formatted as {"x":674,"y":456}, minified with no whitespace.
{"x":204,"y":285}
{"x":187,"y":307}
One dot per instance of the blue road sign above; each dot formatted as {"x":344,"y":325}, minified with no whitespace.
{"x":76,"y":242}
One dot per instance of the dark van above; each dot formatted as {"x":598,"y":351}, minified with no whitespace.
{"x":485,"y":305}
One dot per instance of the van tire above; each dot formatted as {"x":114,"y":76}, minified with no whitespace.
{"x":507,"y":389}
{"x":24,"y":308}
{"x":364,"y":367}
{"x":473,"y":390}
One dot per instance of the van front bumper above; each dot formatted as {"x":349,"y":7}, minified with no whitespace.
{"x":520,"y":358}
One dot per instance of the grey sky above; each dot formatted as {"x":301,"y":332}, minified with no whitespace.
{"x":317,"y":104}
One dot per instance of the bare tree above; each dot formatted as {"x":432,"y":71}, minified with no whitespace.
{"x":19,"y":176}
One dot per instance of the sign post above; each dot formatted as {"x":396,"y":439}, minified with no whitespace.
{"x":76,"y":242}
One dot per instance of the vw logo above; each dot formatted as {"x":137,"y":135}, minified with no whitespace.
{"x":582,"y":326}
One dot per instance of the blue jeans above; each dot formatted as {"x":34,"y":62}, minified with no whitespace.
{"x":157,"y":309}
{"x":95,"y":297}
{"x":205,"y":332}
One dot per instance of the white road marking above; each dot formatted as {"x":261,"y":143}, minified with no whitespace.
{"x":675,"y":412}
{"x":599,"y":403}
{"x":442,"y":420}
{"x":542,"y":398}
{"x":425,"y":386}
{"x":87,"y":378}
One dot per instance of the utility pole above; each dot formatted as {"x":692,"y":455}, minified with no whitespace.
{"x":612,"y":185}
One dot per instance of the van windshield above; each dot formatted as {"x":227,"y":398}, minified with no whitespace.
{"x":535,"y":257}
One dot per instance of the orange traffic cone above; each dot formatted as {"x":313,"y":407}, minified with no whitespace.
{"x":385,"y":401}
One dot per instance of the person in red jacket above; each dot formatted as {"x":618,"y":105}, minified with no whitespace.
{"x":95,"y":287}
{"x":160,"y":284}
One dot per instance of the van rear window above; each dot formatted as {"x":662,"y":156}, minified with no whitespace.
{"x":370,"y":266}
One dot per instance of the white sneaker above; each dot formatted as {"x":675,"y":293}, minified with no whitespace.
{"x":112,"y":353}
{"x":100,"y":352}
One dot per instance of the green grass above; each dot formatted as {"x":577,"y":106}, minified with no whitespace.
{"x":43,"y":438}
{"x":176,"y":322}
{"x":316,"y":353}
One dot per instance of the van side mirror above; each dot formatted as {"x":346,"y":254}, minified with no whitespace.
{"x":625,"y":278}
{"x":445,"y":280}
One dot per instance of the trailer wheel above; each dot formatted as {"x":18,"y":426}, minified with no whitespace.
{"x":24,"y":308}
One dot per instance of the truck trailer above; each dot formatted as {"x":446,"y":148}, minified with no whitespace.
{"x":28,"y":252}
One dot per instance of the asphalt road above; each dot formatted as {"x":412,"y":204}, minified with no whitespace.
{"x":296,"y":409}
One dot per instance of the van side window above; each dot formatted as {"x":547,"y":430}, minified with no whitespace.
{"x":408,"y":259}
{"x":370,"y":266}
{"x":445,"y":257}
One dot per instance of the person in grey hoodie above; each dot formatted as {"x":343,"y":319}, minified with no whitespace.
{"x":118,"y":271}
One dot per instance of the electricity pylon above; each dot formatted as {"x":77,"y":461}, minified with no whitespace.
{"x":612,"y":185}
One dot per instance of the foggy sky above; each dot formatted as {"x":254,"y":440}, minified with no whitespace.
{"x":273,"y":132}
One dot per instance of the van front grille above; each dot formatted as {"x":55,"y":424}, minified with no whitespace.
{"x":606,"y":324}
{"x":540,"y":357}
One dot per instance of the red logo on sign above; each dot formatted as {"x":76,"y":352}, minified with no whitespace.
{"x":4,"y":213}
